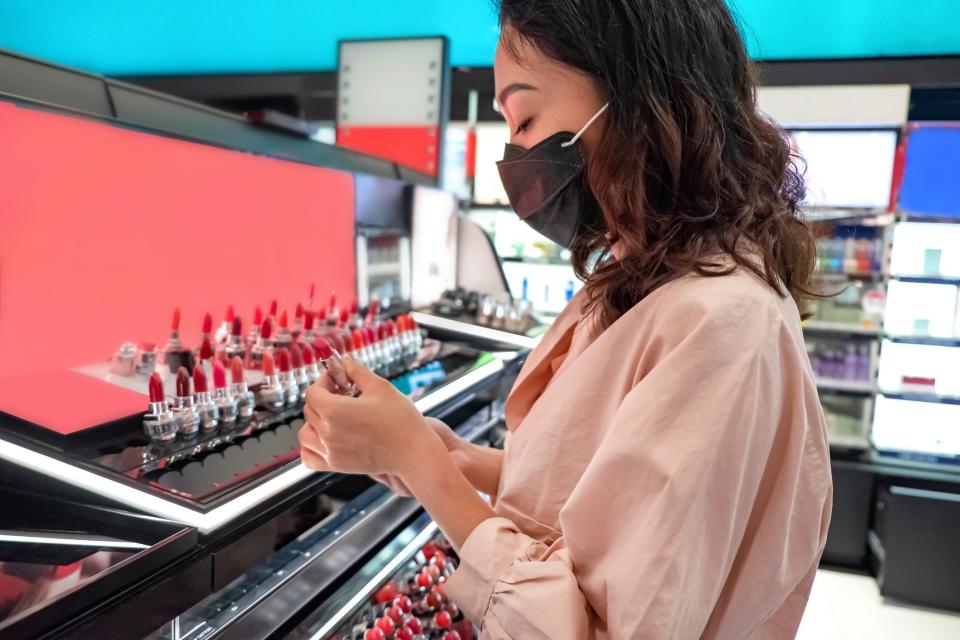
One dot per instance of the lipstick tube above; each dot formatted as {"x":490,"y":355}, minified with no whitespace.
{"x":343,"y":322}
{"x":205,"y":350}
{"x":261,"y":347}
{"x":284,"y":338}
{"x":223,"y":331}
{"x":235,"y":346}
{"x":308,"y":331}
{"x":297,"y":330}
{"x":386,"y":363}
{"x":373,"y":313}
{"x":207,"y":410}
{"x":310,"y":367}
{"x":224,"y":401}
{"x":376,"y":355}
{"x":270,"y":393}
{"x":273,"y":310}
{"x":254,"y":334}
{"x":333,"y":313}
{"x":299,"y":371}
{"x":159,"y":423}
{"x":174,"y":355}
{"x":290,"y":389}
{"x":146,"y":358}
{"x":246,"y":402}
{"x":124,"y":361}
{"x":360,"y":348}
{"x":333,"y":364}
{"x":184,"y":407}
{"x":354,"y":321}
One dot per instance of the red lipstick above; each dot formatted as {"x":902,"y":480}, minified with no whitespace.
{"x":299,"y":371}
{"x":209,"y":414}
{"x":273,"y":309}
{"x":354,"y":317}
{"x":254,"y":332}
{"x":270,"y":393}
{"x":284,"y":337}
{"x":308,"y":332}
{"x":246,"y":402}
{"x":174,"y":355}
{"x":297,"y":321}
{"x":159,"y":423}
{"x":234,"y":346}
{"x":262,"y":346}
{"x":344,"y":319}
{"x":222,"y":397}
{"x":333,"y":364}
{"x":360,"y":347}
{"x":290,"y":389}
{"x":374,"y":350}
{"x":373,"y":312}
{"x":223,"y":331}
{"x":333,"y":313}
{"x":184,"y":407}
{"x":309,"y":365}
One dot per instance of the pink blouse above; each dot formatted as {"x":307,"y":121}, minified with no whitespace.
{"x":668,"y":477}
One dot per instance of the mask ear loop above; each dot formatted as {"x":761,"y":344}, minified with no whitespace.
{"x":585,"y":127}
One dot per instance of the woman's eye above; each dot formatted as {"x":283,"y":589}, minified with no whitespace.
{"x":523,"y":126}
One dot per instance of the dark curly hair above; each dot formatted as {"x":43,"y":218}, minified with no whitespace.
{"x":686,"y":167}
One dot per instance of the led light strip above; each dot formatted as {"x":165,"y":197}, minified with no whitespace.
{"x":466,"y":328}
{"x":68,"y":541}
{"x":363,"y":593}
{"x":205,"y":522}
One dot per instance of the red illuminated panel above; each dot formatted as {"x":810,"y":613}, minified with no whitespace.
{"x":104,"y":230}
{"x":414,"y":147}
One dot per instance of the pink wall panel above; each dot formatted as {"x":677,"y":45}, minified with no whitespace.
{"x":104,"y":230}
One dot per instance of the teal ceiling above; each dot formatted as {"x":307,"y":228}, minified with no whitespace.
{"x":120,"y":37}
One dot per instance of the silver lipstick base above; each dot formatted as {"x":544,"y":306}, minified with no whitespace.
{"x":188,"y":419}
{"x":226,"y":405}
{"x":160,"y":423}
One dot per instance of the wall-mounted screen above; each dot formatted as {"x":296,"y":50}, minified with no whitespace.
{"x":930,"y":182}
{"x":382,"y":202}
{"x":846,"y":169}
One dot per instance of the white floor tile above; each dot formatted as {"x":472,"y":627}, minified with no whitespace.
{"x":847,"y":606}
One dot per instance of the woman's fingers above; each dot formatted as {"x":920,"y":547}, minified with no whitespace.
{"x":312,"y":450}
{"x":363,"y":378}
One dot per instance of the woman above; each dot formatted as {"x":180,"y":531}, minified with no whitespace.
{"x":667,"y":470}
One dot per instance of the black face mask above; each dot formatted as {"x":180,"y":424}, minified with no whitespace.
{"x":546,"y":186}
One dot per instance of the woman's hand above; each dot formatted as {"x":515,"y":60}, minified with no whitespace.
{"x":379,"y":432}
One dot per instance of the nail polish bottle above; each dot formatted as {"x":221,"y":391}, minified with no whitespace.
{"x":206,"y":408}
{"x":246,"y":402}
{"x":226,"y":404}
{"x":184,"y":407}
{"x":159,"y":423}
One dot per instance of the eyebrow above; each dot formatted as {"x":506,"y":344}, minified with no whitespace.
{"x":512,"y":88}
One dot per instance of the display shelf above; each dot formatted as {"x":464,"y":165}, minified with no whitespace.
{"x":846,"y":386}
{"x":920,"y":396}
{"x":931,"y":340}
{"x":845,"y":328}
{"x":927,"y":279}
{"x":849,"y":442}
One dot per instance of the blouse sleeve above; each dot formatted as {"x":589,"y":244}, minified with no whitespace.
{"x":702,"y":456}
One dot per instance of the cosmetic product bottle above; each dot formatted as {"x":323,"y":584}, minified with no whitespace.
{"x":332,"y":363}
{"x":225,"y":402}
{"x":174,"y":355}
{"x":297,"y":329}
{"x":863,"y":362}
{"x":262,"y":346}
{"x":850,"y":369}
{"x":254,"y":332}
{"x":146,"y":358}
{"x":333,"y":312}
{"x":184,"y":407}
{"x":223,"y":331}
{"x":310,"y":368}
{"x":159,"y":423}
{"x":298,"y":371}
{"x":284,"y":338}
{"x":235,"y":346}
{"x":124,"y":361}
{"x":270,"y":393}
{"x":206,"y":408}
{"x":246,"y":402}
{"x":568,"y":292}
